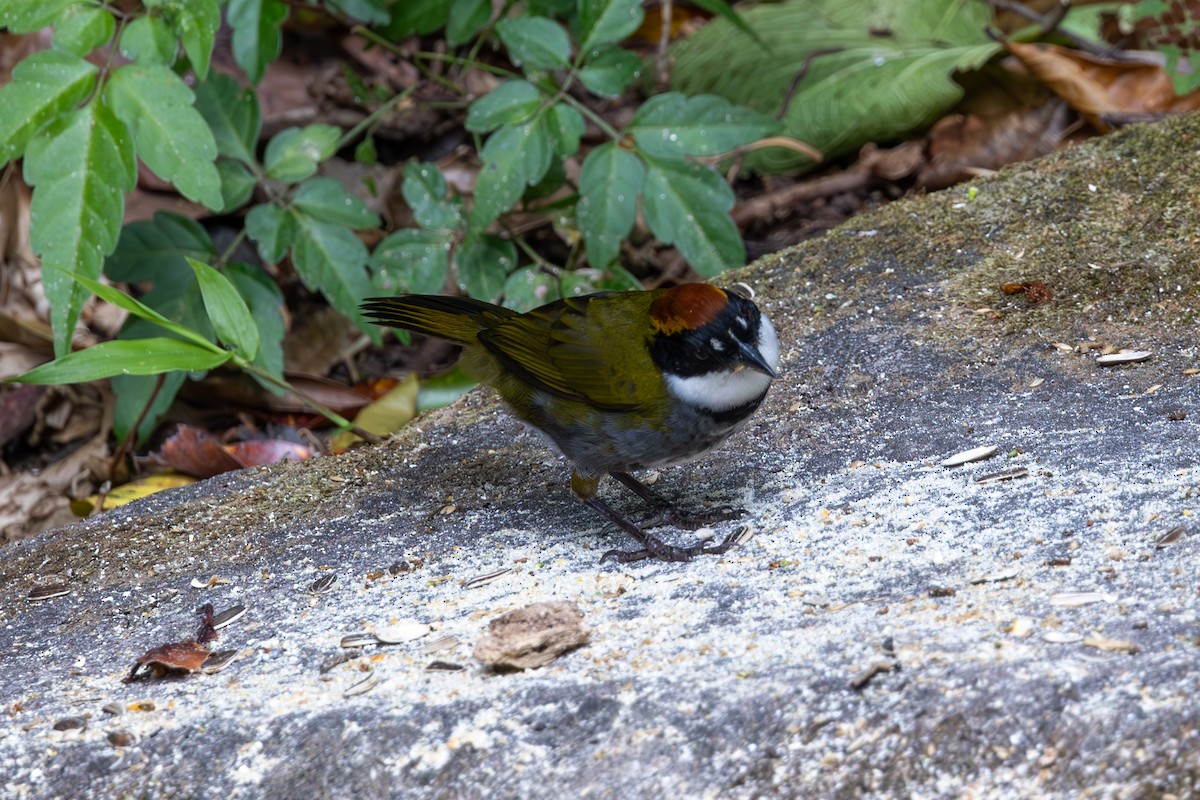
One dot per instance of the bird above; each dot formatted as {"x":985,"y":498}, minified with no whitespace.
{"x":618,"y":381}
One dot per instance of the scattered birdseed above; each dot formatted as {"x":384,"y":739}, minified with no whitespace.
{"x":484,"y":580}
{"x":860,"y":681}
{"x":359,"y":639}
{"x":1059,"y":637}
{"x":1123,"y":357}
{"x":48,"y":591}
{"x":1076,"y":599}
{"x":444,"y":644}
{"x":121,"y":738}
{"x":219,"y":661}
{"x":1171,"y":536}
{"x":994,"y":577}
{"x":70,"y":724}
{"x":443,"y":666}
{"x":1003,"y":475}
{"x":362,"y":687}
{"x":323,"y":584}
{"x":967,"y":456}
{"x":228,"y":617}
{"x":401,"y":632}
{"x":1111,"y":645}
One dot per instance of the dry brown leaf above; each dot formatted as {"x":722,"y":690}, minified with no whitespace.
{"x":1103,"y":90}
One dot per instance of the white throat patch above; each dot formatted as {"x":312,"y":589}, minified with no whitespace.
{"x":722,"y":391}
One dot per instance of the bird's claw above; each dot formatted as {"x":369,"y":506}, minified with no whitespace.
{"x":690,"y":522}
{"x":658,"y":549}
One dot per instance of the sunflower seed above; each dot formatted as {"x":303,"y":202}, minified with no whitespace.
{"x":993,"y":577}
{"x":121,"y":738}
{"x":741,"y":536}
{"x":219,"y":661}
{"x":362,"y":687}
{"x":1076,"y":599}
{"x":1123,"y":357}
{"x":228,"y":617}
{"x":445,"y":644}
{"x":1171,"y":536}
{"x":113,"y":708}
{"x":401,"y":632}
{"x":323,"y":584}
{"x":359,"y":639}
{"x":1059,"y":637}
{"x":48,"y":591}
{"x":485,"y":579}
{"x":70,"y":724}
{"x":337,"y":659}
{"x":443,"y":666}
{"x":967,"y":456}
{"x":1003,"y":475}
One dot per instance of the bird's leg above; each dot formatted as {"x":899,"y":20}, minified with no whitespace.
{"x":652,"y":547}
{"x":667,"y":514}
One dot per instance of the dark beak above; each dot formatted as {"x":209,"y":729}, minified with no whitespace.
{"x":752,"y":358}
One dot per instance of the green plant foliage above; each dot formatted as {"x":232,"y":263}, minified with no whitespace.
{"x":118,"y":357}
{"x":609,"y":70}
{"x":148,"y":40}
{"x":411,"y":260}
{"x":535,"y":42}
{"x":227,"y":310}
{"x":232,"y":115}
{"x":80,"y":168}
{"x":858,"y":87}
{"x":1173,"y":30}
{"x":606,"y":21}
{"x":82,"y":29}
{"x":44,"y":86}
{"x":257,"y":38}
{"x":514,"y":157}
{"x":608,"y":183}
{"x":293,"y":154}
{"x":196,"y":23}
{"x":332,"y":260}
{"x":325,"y":199}
{"x":508,"y":104}
{"x":483,"y":263}
{"x":168,"y":133}
{"x":672,"y":125}
{"x":679,"y":199}
{"x":465,"y":19}
{"x":424,"y":189}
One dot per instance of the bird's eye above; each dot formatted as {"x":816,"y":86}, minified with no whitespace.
{"x":699,"y":352}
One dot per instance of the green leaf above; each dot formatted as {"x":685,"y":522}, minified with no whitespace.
{"x":442,"y":390}
{"x":606,"y":21}
{"x":232,"y":114}
{"x":609,"y":183}
{"x":609,"y":70}
{"x":44,"y":85}
{"x":272,"y":229}
{"x":145,"y":312}
{"x":424,"y":190}
{"x":124,"y":357}
{"x":566,"y":126}
{"x":514,"y":157}
{"x":27,"y":16}
{"x":419,"y":17}
{"x":147,"y":40}
{"x":83,"y":28}
{"x":81,"y":168}
{"x":325,"y":199}
{"x":152,"y":249}
{"x":169,"y":134}
{"x":687,"y":205}
{"x":293,"y":154}
{"x":411,"y":260}
{"x":672,"y":125}
{"x":465,"y":20}
{"x":856,"y":86}
{"x":266,"y":307}
{"x":372,"y":11}
{"x":509,"y":103}
{"x":483,"y":263}
{"x":237,"y":184}
{"x":528,"y":288}
{"x":535,"y":42}
{"x":257,"y":40}
{"x":332,"y":260}
{"x":196,"y":23}
{"x":722,"y":8}
{"x":230,"y":316}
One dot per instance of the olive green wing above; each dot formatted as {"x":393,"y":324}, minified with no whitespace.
{"x":591,"y":349}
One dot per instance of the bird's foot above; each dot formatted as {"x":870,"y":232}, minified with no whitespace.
{"x":655,"y":548}
{"x":669,"y":515}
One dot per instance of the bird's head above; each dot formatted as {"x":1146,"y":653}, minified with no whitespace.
{"x":714,"y":346}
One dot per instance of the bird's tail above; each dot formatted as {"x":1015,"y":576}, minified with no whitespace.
{"x":458,"y":320}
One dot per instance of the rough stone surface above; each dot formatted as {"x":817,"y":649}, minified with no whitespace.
{"x":894,"y":628}
{"x":532,"y":637}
